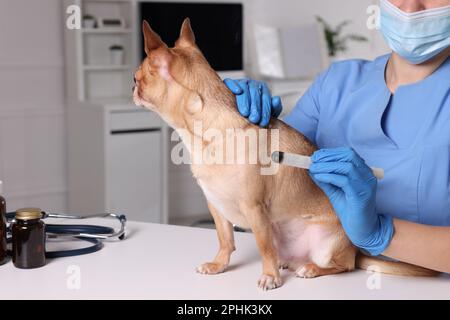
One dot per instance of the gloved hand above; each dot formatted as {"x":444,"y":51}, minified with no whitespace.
{"x":254,"y":100}
{"x":351,"y":187}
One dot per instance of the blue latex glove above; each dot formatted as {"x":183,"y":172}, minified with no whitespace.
{"x":351,"y":187}
{"x":254,"y":100}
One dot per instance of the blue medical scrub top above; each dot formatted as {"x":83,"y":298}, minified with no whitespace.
{"x":406,"y":133}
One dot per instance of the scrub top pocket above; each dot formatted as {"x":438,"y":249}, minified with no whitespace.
{"x":434,"y":186}
{"x":397,"y":192}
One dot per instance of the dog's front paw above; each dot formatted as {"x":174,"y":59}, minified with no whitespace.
{"x":211,"y":268}
{"x":308,"y":270}
{"x":269,"y":282}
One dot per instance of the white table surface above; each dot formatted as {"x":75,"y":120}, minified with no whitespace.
{"x":158,"y":262}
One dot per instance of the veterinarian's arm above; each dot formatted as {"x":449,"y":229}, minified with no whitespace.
{"x":304,"y":117}
{"x":422,"y":245}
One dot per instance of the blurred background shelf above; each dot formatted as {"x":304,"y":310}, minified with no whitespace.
{"x":105,"y":67}
{"x":107,"y":30}
{"x":93,"y":71}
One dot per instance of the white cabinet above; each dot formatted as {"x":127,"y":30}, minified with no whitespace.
{"x":117,"y":161}
{"x":134,"y":174}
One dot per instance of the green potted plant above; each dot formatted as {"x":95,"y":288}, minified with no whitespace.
{"x":336,"y":41}
{"x":116,"y":54}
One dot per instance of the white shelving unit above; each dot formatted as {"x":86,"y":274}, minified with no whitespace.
{"x":92,"y":74}
{"x":107,"y":31}
{"x":117,"y":152}
{"x":105,"y":67}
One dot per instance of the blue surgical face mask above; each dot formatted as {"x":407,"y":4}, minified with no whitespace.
{"x":417,"y":36}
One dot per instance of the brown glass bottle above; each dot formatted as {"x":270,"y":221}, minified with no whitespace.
{"x":3,"y":248}
{"x":28,"y":239}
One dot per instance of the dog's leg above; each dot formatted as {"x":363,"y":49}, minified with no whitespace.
{"x":312,"y":270}
{"x":341,"y":261}
{"x":226,"y":244}
{"x":262,"y":229}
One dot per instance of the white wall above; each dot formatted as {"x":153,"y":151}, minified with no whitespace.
{"x":32,"y":109}
{"x":297,"y":12}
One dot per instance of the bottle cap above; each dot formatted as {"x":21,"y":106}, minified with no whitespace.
{"x":28,"y":214}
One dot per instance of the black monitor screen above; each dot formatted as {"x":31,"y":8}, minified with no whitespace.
{"x":217,"y":28}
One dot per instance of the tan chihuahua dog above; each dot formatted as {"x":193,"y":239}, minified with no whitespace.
{"x":292,"y":219}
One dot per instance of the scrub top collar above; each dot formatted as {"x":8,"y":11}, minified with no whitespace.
{"x":378,"y":96}
{"x":380,"y":65}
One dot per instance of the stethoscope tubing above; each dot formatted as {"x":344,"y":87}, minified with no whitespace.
{"x":91,"y":233}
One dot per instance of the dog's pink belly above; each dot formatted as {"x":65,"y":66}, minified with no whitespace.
{"x":298,"y":243}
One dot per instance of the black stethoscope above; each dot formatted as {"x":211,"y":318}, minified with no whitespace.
{"x":90,"y":233}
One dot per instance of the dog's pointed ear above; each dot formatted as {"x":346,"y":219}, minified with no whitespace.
{"x":152,"y":40}
{"x":187,"y":37}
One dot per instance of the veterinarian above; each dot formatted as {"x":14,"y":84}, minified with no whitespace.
{"x":393,"y":113}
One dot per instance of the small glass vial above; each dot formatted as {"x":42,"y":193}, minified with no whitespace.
{"x":28,"y":239}
{"x":3,"y":248}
